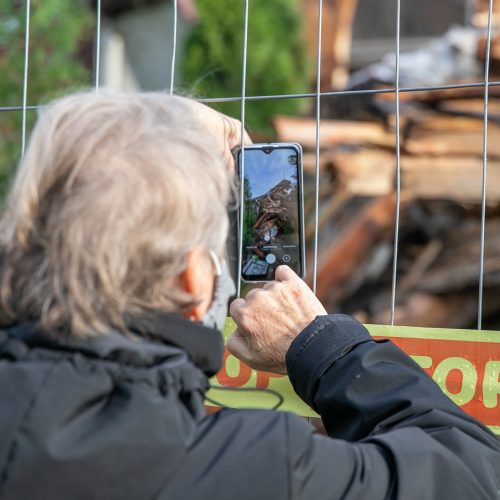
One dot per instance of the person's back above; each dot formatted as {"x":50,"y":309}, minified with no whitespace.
{"x":117,"y":418}
{"x":110,"y":301}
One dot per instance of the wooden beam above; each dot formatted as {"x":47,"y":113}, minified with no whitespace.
{"x":455,"y":178}
{"x":338,"y":262}
{"x":332,"y":132}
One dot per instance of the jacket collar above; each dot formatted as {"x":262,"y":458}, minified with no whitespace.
{"x":204,"y":345}
{"x":156,"y":338}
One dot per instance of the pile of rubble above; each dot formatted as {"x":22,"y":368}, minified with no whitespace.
{"x":441,"y":139}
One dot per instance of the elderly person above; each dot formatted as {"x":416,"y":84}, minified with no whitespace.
{"x":112,"y":287}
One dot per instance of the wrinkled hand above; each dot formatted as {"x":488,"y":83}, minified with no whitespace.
{"x":269,"y":320}
{"x":225,"y":130}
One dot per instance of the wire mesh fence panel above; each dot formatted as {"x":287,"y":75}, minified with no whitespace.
{"x":408,"y":338}
{"x":245,"y":99}
{"x":484,"y":172}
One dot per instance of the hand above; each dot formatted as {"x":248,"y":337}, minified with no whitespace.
{"x":270,"y":318}
{"x":225,"y":130}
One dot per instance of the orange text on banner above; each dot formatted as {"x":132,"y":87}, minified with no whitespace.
{"x":464,"y":363}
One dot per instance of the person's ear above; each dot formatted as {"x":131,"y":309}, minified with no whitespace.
{"x":197,"y":279}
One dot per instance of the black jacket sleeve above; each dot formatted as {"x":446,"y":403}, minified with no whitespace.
{"x":396,"y":435}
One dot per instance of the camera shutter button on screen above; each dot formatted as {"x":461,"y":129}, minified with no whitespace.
{"x":270,"y":258}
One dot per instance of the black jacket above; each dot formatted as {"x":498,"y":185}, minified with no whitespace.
{"x":118,"y":418}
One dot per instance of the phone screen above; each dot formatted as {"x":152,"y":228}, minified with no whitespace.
{"x":272,"y":228}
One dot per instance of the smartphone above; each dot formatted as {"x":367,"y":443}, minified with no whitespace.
{"x":272,"y":210}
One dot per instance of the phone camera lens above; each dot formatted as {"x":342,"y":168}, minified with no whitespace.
{"x":292,"y":159}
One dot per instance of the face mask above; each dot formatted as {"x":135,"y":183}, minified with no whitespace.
{"x":215,"y":317}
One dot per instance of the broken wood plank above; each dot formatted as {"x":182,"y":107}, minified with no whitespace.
{"x":453,"y":144}
{"x":338,"y":17}
{"x":367,"y":172}
{"x":461,"y":250}
{"x":332,"y":132}
{"x":455,"y":178}
{"x":433,"y":311}
{"x":425,"y":259}
{"x":432,"y":96}
{"x":339,"y":261}
{"x":327,"y":212}
{"x":474,"y":107}
{"x":309,"y":161}
{"x":428,"y":122}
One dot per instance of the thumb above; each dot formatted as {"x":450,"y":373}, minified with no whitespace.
{"x":285,"y":273}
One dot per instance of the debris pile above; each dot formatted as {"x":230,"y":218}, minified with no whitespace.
{"x":441,"y":144}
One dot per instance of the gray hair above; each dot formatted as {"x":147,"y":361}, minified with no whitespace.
{"x":112,"y":194}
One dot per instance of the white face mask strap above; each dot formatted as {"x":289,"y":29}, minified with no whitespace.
{"x":216,"y":261}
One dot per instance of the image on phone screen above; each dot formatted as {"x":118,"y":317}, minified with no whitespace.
{"x":271,"y":212}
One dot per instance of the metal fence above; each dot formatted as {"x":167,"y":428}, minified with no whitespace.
{"x":317,"y":95}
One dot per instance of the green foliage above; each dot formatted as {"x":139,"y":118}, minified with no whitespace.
{"x":57,"y":28}
{"x":277,"y":58}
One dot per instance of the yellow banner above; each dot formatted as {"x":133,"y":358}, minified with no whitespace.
{"x":464,"y":363}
